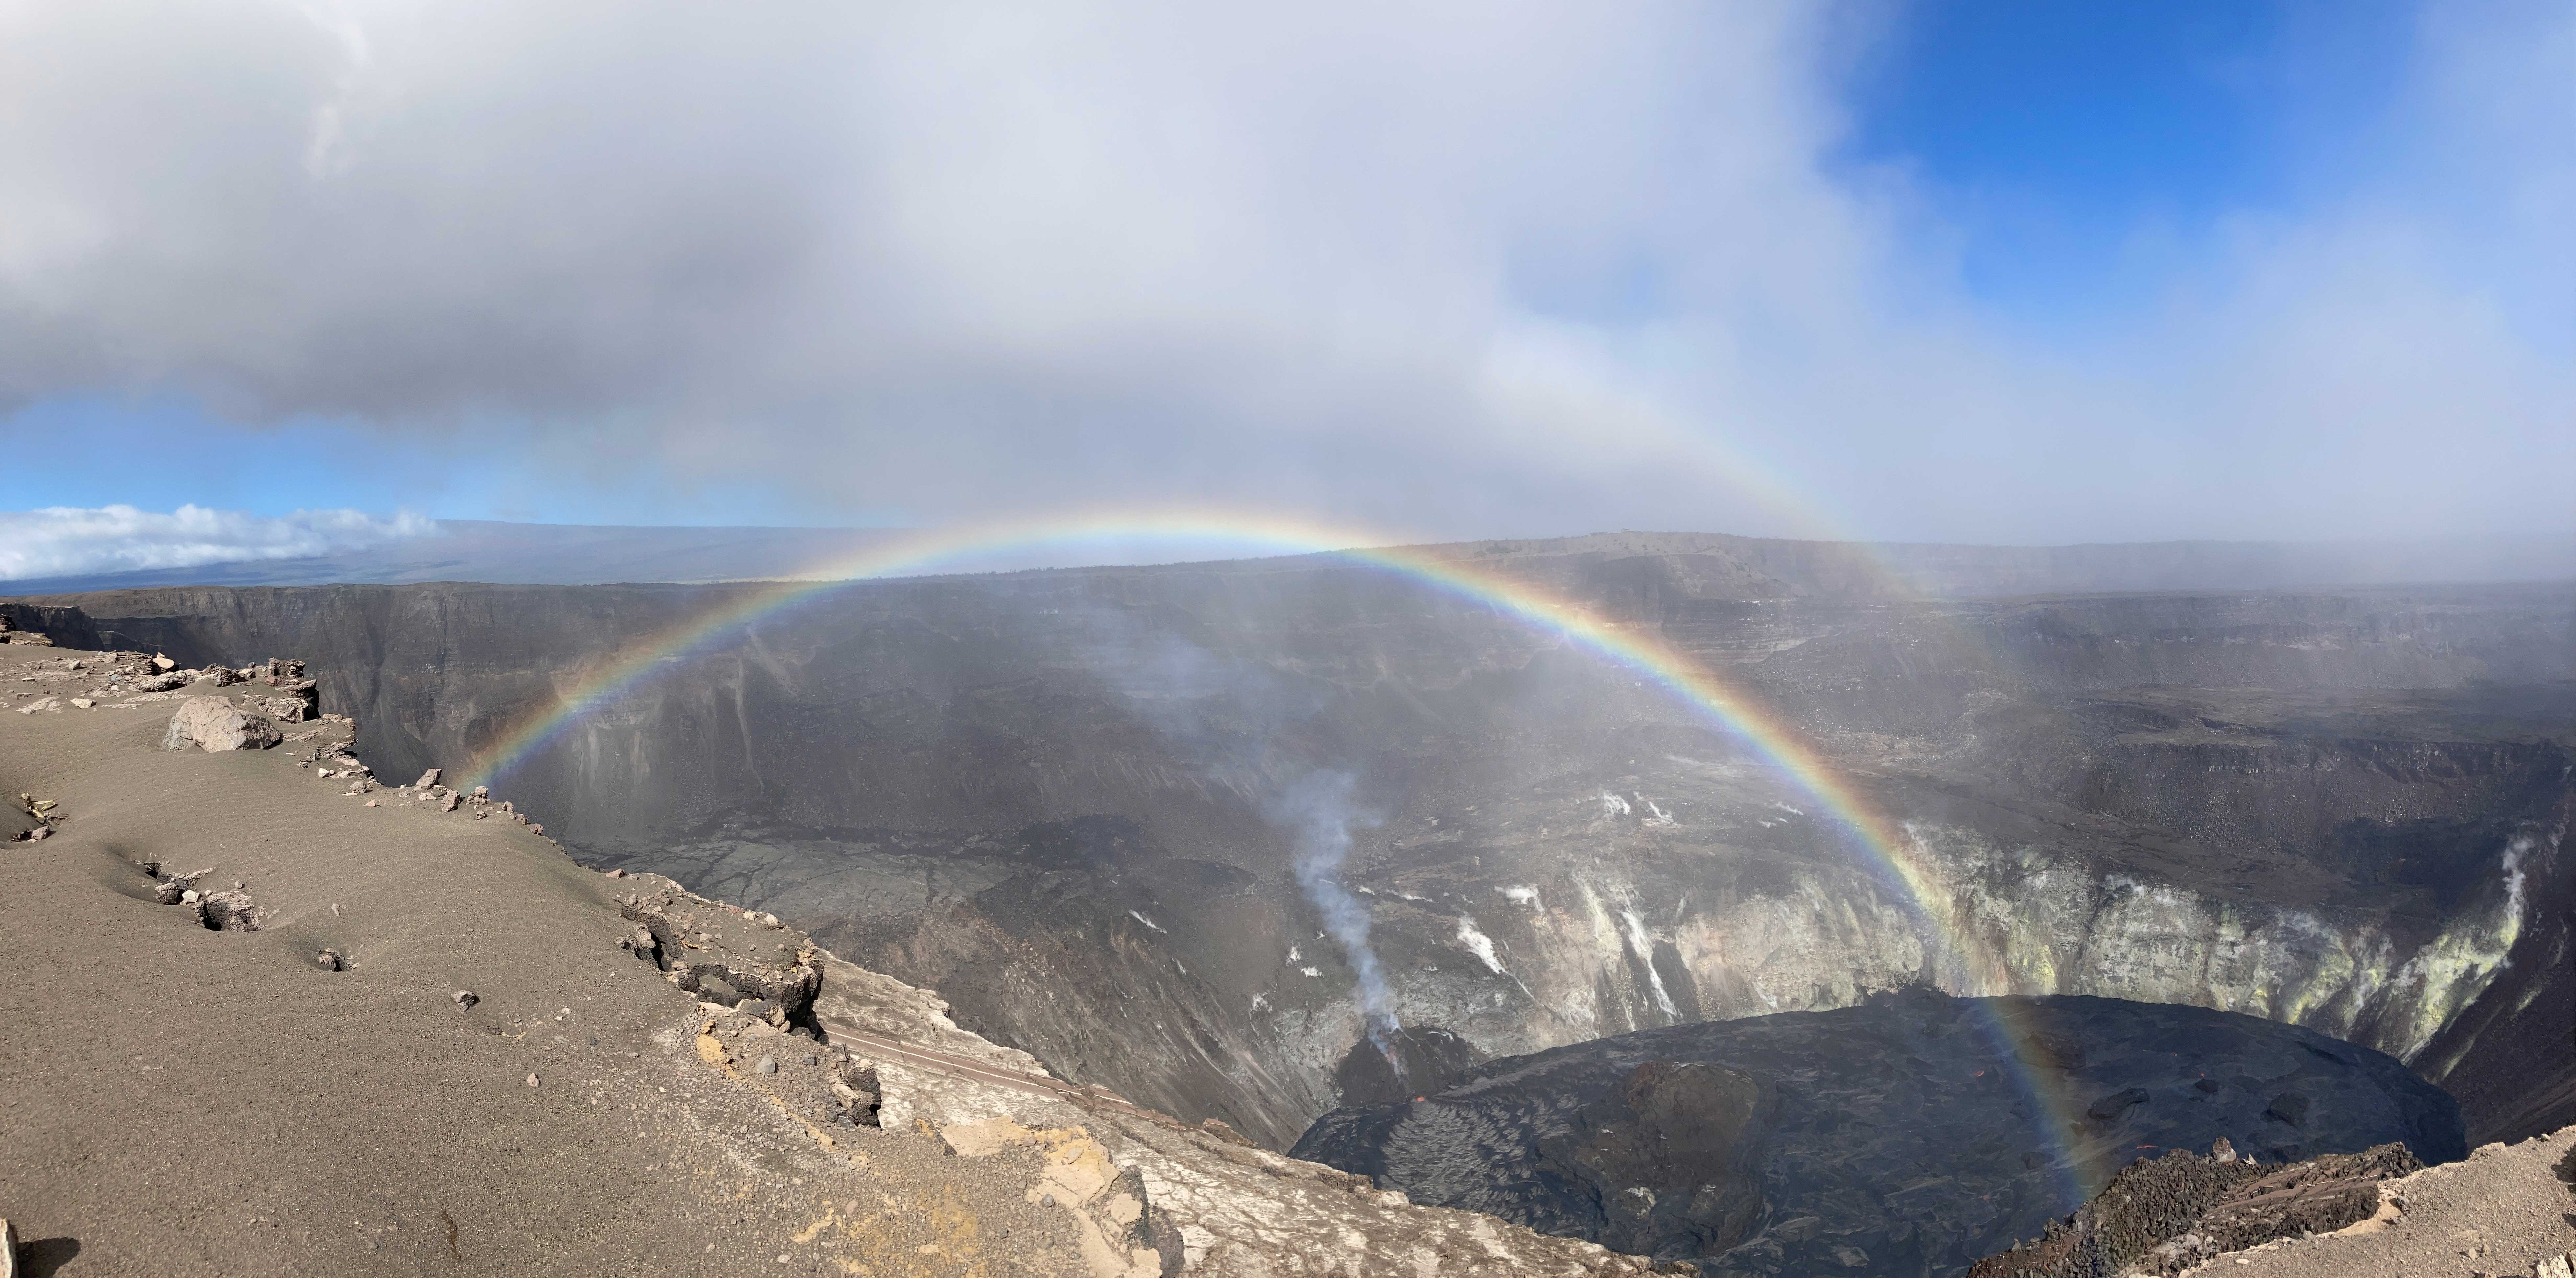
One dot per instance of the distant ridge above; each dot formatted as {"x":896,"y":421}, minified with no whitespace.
{"x":578,"y":555}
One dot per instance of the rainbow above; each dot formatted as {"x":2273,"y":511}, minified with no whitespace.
{"x":1641,"y":650}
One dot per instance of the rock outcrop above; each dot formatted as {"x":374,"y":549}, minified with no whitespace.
{"x":215,"y":724}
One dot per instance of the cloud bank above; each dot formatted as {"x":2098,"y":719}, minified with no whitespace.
{"x":1496,"y":268}
{"x":65,"y":541}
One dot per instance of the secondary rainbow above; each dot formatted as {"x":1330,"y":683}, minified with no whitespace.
{"x":1638,"y":649}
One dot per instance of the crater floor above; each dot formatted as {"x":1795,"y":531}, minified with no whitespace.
{"x":1914,"y":1133}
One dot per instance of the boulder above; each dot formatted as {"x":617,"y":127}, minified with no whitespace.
{"x":230,"y":912}
{"x":427,"y":779}
{"x":214,"y":724}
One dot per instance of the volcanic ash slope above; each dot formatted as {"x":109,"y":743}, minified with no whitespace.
{"x":274,"y":1016}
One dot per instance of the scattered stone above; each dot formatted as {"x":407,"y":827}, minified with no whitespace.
{"x":532,"y":1080}
{"x":427,"y":779}
{"x":161,"y":661}
{"x":767,"y":1065}
{"x":214,"y":724}
{"x":464,"y":998}
{"x":330,"y":961}
{"x":447,"y":803}
{"x":230,"y":912}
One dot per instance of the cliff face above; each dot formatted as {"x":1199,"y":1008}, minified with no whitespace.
{"x":1063,"y":798}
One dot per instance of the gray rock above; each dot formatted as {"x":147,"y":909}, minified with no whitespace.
{"x":230,"y":912}
{"x":759,"y":1007}
{"x":532,"y":1080}
{"x":214,"y":724}
{"x":464,"y":998}
{"x":427,"y":779}
{"x":330,"y":961}
{"x":767,"y":1065}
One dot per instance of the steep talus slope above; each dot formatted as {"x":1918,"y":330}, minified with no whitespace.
{"x":1912,"y":1134}
{"x":1059,"y":796}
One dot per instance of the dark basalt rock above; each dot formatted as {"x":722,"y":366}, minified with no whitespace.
{"x":1412,"y":1061}
{"x":1911,"y":1135}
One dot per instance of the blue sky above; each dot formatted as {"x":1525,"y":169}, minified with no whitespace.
{"x":2072,"y":145}
{"x":2008,"y":271}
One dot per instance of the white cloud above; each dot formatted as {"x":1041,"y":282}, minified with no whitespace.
{"x":934,"y":261}
{"x":64,"y":541}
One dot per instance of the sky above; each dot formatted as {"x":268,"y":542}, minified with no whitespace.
{"x":2004,"y":271}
